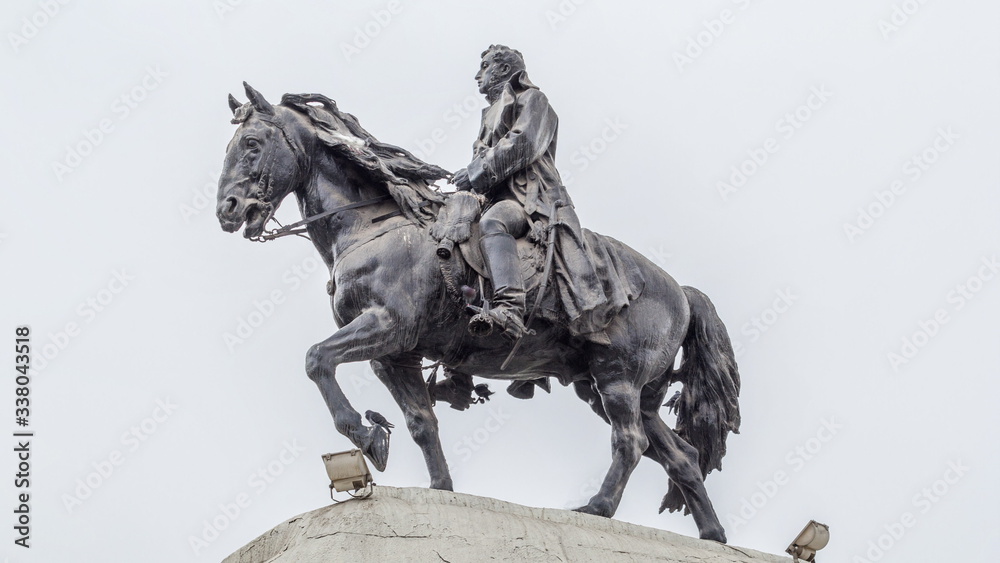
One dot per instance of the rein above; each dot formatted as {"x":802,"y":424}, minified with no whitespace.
{"x":298,"y":227}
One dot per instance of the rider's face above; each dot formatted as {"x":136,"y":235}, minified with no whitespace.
{"x":490,"y":74}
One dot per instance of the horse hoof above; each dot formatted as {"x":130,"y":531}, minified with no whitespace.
{"x":595,"y":510}
{"x":718,"y":535}
{"x":444,"y":485}
{"x":375,"y":446}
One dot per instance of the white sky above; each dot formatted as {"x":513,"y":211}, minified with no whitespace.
{"x":133,"y":206}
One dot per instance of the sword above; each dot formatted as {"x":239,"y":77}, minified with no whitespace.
{"x":549,"y":253}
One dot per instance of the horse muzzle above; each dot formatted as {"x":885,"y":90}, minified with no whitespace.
{"x":233,"y":212}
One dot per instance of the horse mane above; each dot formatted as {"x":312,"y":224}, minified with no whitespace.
{"x":407,"y":178}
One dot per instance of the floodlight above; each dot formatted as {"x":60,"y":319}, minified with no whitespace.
{"x":811,"y":539}
{"x":348,"y":471}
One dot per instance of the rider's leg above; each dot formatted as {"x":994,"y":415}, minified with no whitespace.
{"x":500,"y":226}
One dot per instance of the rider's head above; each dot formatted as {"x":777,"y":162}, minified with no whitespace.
{"x":499,"y":64}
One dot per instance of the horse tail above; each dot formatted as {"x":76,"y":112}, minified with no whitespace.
{"x":708,"y":407}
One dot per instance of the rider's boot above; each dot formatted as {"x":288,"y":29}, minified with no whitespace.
{"x":507,"y":308}
{"x":525,"y":389}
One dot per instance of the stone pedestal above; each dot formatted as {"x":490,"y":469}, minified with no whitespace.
{"x":415,"y":524}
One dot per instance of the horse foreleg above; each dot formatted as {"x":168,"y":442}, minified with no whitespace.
{"x":366,"y":337}
{"x":620,"y":399}
{"x":405,"y":381}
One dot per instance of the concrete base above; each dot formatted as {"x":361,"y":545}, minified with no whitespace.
{"x":415,"y":524}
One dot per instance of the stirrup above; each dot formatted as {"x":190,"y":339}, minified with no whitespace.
{"x":484,"y":321}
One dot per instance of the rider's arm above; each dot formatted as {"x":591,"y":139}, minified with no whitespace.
{"x":527,"y":140}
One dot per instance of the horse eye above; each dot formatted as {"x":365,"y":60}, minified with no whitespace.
{"x":252,"y":143}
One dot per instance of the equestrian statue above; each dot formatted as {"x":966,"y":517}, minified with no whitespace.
{"x":495,"y":279}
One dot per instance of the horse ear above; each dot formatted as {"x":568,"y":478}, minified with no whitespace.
{"x":258,"y":101}
{"x":234,"y":104}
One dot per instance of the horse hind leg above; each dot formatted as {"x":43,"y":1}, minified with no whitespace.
{"x":403,"y":378}
{"x":586,"y":392}
{"x":620,"y":400}
{"x":680,"y":460}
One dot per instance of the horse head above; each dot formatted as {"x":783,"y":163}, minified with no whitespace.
{"x":271,"y":155}
{"x":267,"y":158}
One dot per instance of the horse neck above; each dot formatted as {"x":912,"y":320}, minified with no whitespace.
{"x":330,"y":185}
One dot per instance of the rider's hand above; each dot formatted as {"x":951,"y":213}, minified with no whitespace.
{"x":461,"y":180}
{"x":539,"y":232}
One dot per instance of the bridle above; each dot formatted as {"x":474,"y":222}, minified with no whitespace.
{"x":262,"y":192}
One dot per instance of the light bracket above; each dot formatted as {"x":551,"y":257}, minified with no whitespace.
{"x":811,"y":539}
{"x":349,"y":472}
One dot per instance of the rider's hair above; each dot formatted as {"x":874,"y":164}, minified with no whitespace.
{"x":504,"y":54}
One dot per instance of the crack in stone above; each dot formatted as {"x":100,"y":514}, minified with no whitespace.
{"x":383,"y":536}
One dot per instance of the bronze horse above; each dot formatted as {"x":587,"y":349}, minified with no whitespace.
{"x":368,"y":204}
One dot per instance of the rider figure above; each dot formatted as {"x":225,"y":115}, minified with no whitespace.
{"x":513,"y":165}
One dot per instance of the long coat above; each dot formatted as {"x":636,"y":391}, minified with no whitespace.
{"x":516,"y":149}
{"x":514,"y":158}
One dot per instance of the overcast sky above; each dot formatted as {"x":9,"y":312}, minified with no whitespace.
{"x":826,"y":172}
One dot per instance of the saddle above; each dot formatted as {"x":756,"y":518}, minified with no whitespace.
{"x":456,"y":230}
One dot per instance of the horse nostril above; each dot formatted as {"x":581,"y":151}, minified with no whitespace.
{"x":231,"y":204}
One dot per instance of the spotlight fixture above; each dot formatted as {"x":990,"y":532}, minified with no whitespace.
{"x":811,"y":539}
{"x":348,"y":471}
